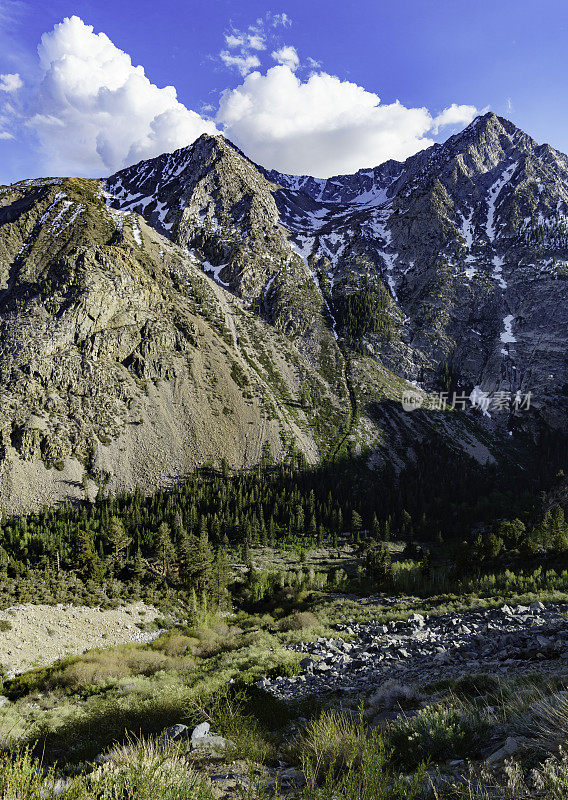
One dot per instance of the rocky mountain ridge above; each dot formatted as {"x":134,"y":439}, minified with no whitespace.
{"x":462,"y":234}
{"x":196,"y":306}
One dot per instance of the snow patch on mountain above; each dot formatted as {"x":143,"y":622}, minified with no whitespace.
{"x":497,"y":273}
{"x":494,"y":192}
{"x":467,"y":228}
{"x":507,"y":337}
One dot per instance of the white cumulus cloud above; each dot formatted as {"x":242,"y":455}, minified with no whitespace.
{"x":323,"y":125}
{"x":94,"y":110}
{"x":244,"y":45}
{"x":10,"y":82}
{"x":280,"y":19}
{"x":288,"y":56}
{"x":244,"y":62}
{"x":454,"y":115}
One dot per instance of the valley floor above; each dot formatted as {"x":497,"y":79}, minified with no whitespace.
{"x":374,"y":697}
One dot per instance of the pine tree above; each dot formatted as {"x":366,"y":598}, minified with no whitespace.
{"x":138,"y":567}
{"x":204,"y":562}
{"x":195,"y":561}
{"x":378,"y":562}
{"x":426,"y":564}
{"x":117,"y":538}
{"x":85,"y":554}
{"x":376,"y":532}
{"x":356,"y":522}
{"x":220,"y":579}
{"x":186,"y":553}
{"x":177,"y":526}
{"x":4,"y":561}
{"x":559,"y":530}
{"x":164,"y":548}
{"x":406,"y":527}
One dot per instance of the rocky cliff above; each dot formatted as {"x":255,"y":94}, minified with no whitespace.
{"x":195,"y":307}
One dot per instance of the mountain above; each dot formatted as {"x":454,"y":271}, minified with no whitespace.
{"x":196,"y":306}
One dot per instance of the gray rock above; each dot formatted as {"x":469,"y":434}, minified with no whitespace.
{"x":508,"y":749}
{"x":200,"y":730}
{"x":211,"y":743}
{"x":176,"y":732}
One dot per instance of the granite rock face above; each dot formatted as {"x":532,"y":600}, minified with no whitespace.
{"x":469,"y":237}
{"x":196,"y":307}
{"x":121,"y":361}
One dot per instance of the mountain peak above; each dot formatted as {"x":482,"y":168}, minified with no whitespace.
{"x":491,"y":128}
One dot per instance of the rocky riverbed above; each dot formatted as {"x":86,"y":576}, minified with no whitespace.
{"x":422,"y":649}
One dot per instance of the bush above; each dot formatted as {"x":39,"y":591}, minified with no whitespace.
{"x":475,"y":685}
{"x":298,"y":621}
{"x":331,"y":743}
{"x":139,"y":772}
{"x":392,"y":694}
{"x":174,"y":644}
{"x":80,"y":673}
{"x":437,"y":733}
{"x":31,"y":681}
{"x":546,"y":722}
{"x":5,"y":626}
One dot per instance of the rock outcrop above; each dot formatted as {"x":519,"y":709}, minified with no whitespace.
{"x":196,"y":307}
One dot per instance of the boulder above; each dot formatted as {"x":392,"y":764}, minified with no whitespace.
{"x":212,"y":743}
{"x":508,"y":749}
{"x":176,"y":733}
{"x":200,"y":730}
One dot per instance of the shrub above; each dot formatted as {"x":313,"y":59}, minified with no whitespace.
{"x":147,"y":662}
{"x":174,"y":644}
{"x":437,"y":733}
{"x":299,"y":620}
{"x":145,"y":771}
{"x":31,"y":681}
{"x":82,"y":674}
{"x":546,"y":722}
{"x":475,"y":685}
{"x":5,"y":626}
{"x":548,"y":781}
{"x":140,"y":772}
{"x":108,"y":666}
{"x":392,"y":694}
{"x":331,"y":743}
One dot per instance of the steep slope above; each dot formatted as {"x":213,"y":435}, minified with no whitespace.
{"x":195,"y":307}
{"x":263,"y":243}
{"x":121,"y":360}
{"x":471,"y":240}
{"x":210,"y":199}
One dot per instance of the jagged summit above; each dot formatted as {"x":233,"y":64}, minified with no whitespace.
{"x":196,"y":305}
{"x":464,"y":217}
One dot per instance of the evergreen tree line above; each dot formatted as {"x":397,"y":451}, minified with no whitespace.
{"x":187,"y":536}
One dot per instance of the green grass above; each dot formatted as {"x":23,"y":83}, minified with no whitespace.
{"x":342,"y":759}
{"x":86,"y":703}
{"x":144,"y":772}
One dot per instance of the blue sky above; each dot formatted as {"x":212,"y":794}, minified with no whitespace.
{"x":295,"y":84}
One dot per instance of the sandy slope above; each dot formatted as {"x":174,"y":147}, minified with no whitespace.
{"x":40,"y":634}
